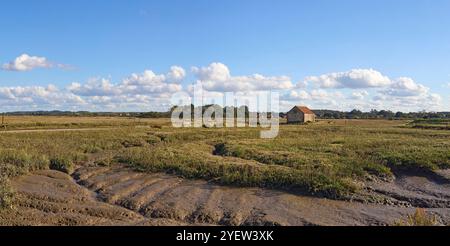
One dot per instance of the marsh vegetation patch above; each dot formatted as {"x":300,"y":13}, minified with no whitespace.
{"x":350,"y":161}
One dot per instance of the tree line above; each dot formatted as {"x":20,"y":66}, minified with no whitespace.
{"x":320,"y":113}
{"x":379,"y":114}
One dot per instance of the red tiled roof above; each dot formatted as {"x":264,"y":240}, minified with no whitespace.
{"x":305,"y":110}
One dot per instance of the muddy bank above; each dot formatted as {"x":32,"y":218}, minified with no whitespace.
{"x":119,"y":196}
{"x":424,"y":189}
{"x":53,"y":198}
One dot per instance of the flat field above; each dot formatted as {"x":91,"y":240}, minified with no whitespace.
{"x":143,"y":171}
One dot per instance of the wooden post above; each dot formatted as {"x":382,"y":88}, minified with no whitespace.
{"x":3,"y":122}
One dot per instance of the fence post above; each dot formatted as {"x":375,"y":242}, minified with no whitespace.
{"x":3,"y":122}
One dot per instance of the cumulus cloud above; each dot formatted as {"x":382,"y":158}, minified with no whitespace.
{"x":302,"y":84}
{"x":217,"y":77}
{"x":32,"y":96}
{"x":145,"y":83}
{"x":430,"y":101}
{"x":405,"y":87}
{"x":354,"y":79}
{"x":363,"y":89}
{"x":94,"y":87}
{"x":401,"y":93}
{"x":407,"y":95}
{"x":140,"y":91}
{"x":359,"y":95}
{"x":176,"y":74}
{"x":26,"y":62}
{"x":149,"y":82}
{"x":144,"y":91}
{"x":299,"y":95}
{"x":214,"y":72}
{"x":317,"y":98}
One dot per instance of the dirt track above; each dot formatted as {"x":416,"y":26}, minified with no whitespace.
{"x":105,"y":196}
{"x":56,"y":130}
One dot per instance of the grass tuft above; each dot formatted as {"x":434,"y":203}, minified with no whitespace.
{"x":6,"y":194}
{"x":419,"y":218}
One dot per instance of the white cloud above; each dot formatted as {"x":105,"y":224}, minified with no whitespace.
{"x":359,"y":95}
{"x":299,"y":95}
{"x":354,"y":79}
{"x":176,"y":74}
{"x":214,"y":72}
{"x":325,"y":95}
{"x":318,"y":98}
{"x":26,"y":62}
{"x":428,"y":102}
{"x":407,"y":95}
{"x":144,"y":91}
{"x":302,"y":84}
{"x":94,"y":87}
{"x":149,"y":91}
{"x":139,"y":91}
{"x":146,"y":83}
{"x":319,"y":94}
{"x":405,"y":87}
{"x":217,"y":77}
{"x":32,"y":96}
{"x":149,"y":83}
{"x":148,"y":77}
{"x":397,"y":94}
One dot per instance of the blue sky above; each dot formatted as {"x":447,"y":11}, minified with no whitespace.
{"x":99,"y":45}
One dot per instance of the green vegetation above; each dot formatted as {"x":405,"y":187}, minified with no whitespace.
{"x":15,"y":163}
{"x":37,"y":122}
{"x":6,"y":194}
{"x":61,"y":164}
{"x":329,"y":158}
{"x":380,"y":114}
{"x":436,"y":124}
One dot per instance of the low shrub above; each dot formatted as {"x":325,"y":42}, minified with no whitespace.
{"x":6,"y":194}
{"x":61,"y":164}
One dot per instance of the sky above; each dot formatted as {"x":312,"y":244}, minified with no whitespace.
{"x":111,"y":55}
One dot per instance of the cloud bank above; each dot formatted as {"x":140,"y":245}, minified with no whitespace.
{"x":363,"y":89}
{"x":217,"y":77}
{"x":353,"y":79}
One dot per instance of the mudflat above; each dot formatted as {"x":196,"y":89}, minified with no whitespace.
{"x":120,"y":196}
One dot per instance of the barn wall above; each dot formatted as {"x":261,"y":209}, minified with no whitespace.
{"x":310,"y":117}
{"x":295,"y":117}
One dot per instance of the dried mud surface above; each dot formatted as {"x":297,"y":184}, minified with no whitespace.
{"x":424,"y":189}
{"x":53,"y":198}
{"x":120,"y":196}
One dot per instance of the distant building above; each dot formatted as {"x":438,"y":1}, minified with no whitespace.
{"x":300,"y":114}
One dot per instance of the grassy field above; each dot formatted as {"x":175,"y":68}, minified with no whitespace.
{"x":67,"y":122}
{"x":331,"y":158}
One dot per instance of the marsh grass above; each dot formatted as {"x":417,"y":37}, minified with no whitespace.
{"x":329,"y":159}
{"x":61,"y":164}
{"x":6,"y":194}
{"x":73,"y":122}
{"x":419,"y":218}
{"x":436,"y":124}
